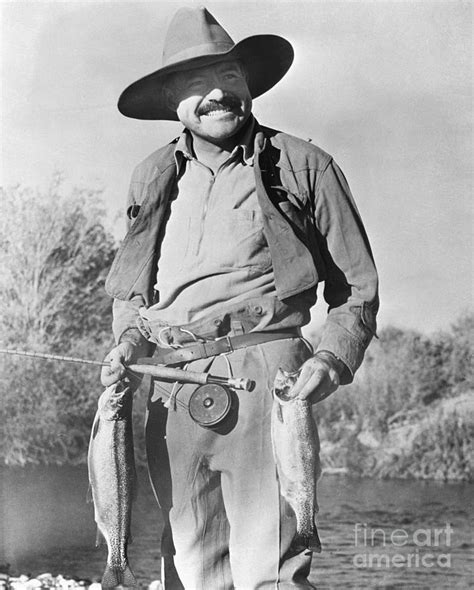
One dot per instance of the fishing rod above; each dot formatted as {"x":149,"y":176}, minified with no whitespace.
{"x":146,"y":367}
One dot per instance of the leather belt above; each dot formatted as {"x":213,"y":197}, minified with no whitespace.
{"x":203,"y":350}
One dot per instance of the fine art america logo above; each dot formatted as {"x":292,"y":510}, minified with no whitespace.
{"x":399,"y":548}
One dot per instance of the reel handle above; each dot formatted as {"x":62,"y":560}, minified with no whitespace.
{"x":234,"y":382}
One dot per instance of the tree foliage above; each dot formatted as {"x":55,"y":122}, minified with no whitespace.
{"x":55,"y":253}
{"x":54,"y":256}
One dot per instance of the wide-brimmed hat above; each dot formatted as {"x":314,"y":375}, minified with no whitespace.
{"x":196,"y":39}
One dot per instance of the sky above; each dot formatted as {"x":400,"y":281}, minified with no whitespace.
{"x":384,"y":87}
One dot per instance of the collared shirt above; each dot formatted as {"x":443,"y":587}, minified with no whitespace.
{"x":214,"y":250}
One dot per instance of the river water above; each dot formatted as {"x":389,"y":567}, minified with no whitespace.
{"x":375,"y":533}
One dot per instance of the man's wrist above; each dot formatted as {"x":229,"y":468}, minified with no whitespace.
{"x":332,"y":360}
{"x":135,"y":337}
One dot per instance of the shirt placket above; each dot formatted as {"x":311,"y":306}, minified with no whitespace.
{"x":206,"y":204}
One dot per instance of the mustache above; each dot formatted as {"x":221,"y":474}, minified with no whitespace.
{"x":227,"y":103}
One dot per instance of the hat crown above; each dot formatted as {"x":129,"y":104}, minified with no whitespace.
{"x":195,"y":39}
{"x":192,"y":32}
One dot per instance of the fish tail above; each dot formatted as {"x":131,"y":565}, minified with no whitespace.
{"x":118,"y":576}
{"x":309,"y":542}
{"x":128,"y":577}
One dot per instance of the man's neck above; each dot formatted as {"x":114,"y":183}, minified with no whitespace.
{"x":215,"y":153}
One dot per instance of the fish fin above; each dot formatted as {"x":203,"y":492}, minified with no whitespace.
{"x":99,"y":538}
{"x":313,"y":540}
{"x":118,"y":576}
{"x":309,"y":542}
{"x":278,"y":412}
{"x":128,"y":579}
{"x":95,"y":426}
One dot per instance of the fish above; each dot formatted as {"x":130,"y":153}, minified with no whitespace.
{"x":112,"y":479}
{"x":296,"y":446}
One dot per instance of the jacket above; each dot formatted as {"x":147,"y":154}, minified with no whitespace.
{"x":311,"y":224}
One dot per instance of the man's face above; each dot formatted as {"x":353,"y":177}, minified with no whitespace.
{"x":213,"y":102}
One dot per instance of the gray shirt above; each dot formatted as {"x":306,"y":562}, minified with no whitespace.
{"x":214,"y":250}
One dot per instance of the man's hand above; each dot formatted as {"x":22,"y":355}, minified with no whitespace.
{"x":319,"y":377}
{"x":123,"y":354}
{"x":131,"y":347}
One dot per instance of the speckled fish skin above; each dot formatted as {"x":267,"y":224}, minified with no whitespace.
{"x":296,"y":451}
{"x":112,"y":477}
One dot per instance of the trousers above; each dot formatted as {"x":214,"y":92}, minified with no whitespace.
{"x":226,"y":525}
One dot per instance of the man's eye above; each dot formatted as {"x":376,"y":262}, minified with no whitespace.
{"x":195,"y":84}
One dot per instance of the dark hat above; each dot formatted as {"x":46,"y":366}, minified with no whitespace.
{"x":196,"y":39}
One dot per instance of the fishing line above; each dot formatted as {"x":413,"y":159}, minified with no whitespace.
{"x":53,"y":357}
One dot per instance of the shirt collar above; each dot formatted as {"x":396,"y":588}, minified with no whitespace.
{"x":247,"y":141}
{"x":184,"y":146}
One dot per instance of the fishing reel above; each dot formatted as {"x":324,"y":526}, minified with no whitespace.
{"x":210,"y":404}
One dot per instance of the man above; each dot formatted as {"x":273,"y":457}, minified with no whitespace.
{"x":232,"y":226}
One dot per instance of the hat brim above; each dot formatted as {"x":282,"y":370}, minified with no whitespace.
{"x":266,"y":58}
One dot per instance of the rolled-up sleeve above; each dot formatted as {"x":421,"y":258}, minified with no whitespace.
{"x":351,"y":281}
{"x":125,"y":314}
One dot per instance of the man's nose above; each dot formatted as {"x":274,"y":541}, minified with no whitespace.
{"x":216,"y":94}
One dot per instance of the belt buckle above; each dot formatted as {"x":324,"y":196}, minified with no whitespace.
{"x":228,"y":340}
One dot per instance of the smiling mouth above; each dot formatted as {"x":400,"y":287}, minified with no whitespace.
{"x":216,"y":109}
{"x":217,"y":112}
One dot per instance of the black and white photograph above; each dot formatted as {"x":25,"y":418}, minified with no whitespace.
{"x":236,"y":295}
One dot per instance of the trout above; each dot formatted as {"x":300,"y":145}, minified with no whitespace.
{"x":296,"y":451}
{"x":112,"y":477}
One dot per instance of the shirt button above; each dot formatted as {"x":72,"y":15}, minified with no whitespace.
{"x":217,"y":322}
{"x":258,"y":309}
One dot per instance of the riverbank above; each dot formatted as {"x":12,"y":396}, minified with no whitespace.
{"x":434,"y":442}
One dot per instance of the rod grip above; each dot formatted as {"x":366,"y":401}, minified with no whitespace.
{"x":170,"y":374}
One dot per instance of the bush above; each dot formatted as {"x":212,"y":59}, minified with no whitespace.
{"x":54,"y":255}
{"x":442,"y":450}
{"x":403,"y":380}
{"x":403,"y":372}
